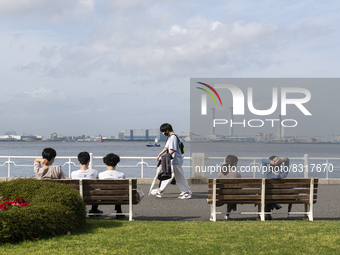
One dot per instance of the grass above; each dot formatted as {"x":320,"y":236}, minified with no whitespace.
{"x":157,"y":237}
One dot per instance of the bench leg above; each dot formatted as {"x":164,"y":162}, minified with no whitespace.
{"x":261,"y":212}
{"x":212,"y":213}
{"x":308,"y":216}
{"x":130,"y":200}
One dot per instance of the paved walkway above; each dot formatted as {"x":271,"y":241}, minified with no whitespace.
{"x":170,"y":208}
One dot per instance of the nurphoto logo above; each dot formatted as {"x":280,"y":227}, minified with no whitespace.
{"x":238,"y":104}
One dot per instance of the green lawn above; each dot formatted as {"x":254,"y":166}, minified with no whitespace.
{"x":223,"y":237}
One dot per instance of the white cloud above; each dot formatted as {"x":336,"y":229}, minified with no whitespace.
{"x":52,"y":11}
{"x":40,"y":93}
{"x":199,"y":45}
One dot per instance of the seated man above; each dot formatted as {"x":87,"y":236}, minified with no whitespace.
{"x":85,"y":173}
{"x":278,"y":168}
{"x":111,"y":160}
{"x":47,"y":171}
{"x":229,"y":171}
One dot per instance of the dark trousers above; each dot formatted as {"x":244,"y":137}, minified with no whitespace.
{"x":118,"y":208}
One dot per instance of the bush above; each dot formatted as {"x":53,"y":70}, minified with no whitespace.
{"x":54,"y":209}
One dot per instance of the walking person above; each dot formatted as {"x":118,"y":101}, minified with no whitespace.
{"x":172,"y":147}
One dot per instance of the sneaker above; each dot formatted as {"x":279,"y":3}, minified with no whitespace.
{"x":227,"y":217}
{"x":278,"y":207}
{"x":184,"y":193}
{"x":95,"y":211}
{"x":154,"y":191}
{"x":159,"y":195}
{"x":185,"y":196}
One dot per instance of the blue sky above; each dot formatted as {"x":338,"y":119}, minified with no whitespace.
{"x":100,"y":67}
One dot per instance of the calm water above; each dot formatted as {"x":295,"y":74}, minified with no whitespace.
{"x":138,"y":149}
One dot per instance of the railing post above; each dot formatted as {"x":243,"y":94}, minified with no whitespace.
{"x":254,"y":172}
{"x":91,"y":161}
{"x":69,"y":167}
{"x":306,"y":163}
{"x":9,"y":167}
{"x":197,"y":165}
{"x":142,"y":169}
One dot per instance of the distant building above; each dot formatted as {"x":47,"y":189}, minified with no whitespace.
{"x":54,"y":137}
{"x":121,"y":135}
{"x":140,"y":134}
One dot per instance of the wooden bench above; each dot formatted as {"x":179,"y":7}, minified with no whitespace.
{"x":263,"y":192}
{"x":106,"y":192}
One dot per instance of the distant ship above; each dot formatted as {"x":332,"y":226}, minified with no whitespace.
{"x":154,"y":145}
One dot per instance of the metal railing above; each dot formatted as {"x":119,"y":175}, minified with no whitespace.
{"x":323,"y":165}
{"x":72,"y":161}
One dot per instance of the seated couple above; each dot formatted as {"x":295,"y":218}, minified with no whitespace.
{"x":47,"y":171}
{"x":273,"y":168}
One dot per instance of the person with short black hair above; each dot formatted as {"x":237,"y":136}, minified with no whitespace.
{"x":111,"y":160}
{"x":229,"y":171}
{"x":172,"y":147}
{"x":47,"y":171}
{"x":85,"y":173}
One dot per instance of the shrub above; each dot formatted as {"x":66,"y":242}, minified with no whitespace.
{"x":54,"y":209}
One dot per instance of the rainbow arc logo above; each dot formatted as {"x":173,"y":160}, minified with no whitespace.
{"x":204,"y":97}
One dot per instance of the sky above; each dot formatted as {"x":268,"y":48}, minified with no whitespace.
{"x":99,"y":67}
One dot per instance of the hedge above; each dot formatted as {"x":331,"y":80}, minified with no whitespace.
{"x":54,"y":209}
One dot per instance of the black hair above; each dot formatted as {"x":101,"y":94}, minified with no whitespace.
{"x":272,"y":157}
{"x":165,"y":126}
{"x":111,"y":159}
{"x":83,"y":157}
{"x":229,"y":166}
{"x":49,"y":153}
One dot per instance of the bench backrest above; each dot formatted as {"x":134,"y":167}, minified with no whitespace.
{"x":232,"y":191}
{"x":103,"y":192}
{"x":290,"y":191}
{"x":249,"y":191}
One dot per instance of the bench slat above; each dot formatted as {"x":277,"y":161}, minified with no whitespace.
{"x":108,"y":186}
{"x":236,"y":197}
{"x":106,"y":198}
{"x":289,"y":191}
{"x":294,"y":201}
{"x":236,"y":180}
{"x":288,"y":180}
{"x":236,"y":191}
{"x":108,"y":192}
{"x":107,"y":181}
{"x":287,"y":185}
{"x":283,"y":197}
{"x":234,"y":186}
{"x":221,"y":203}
